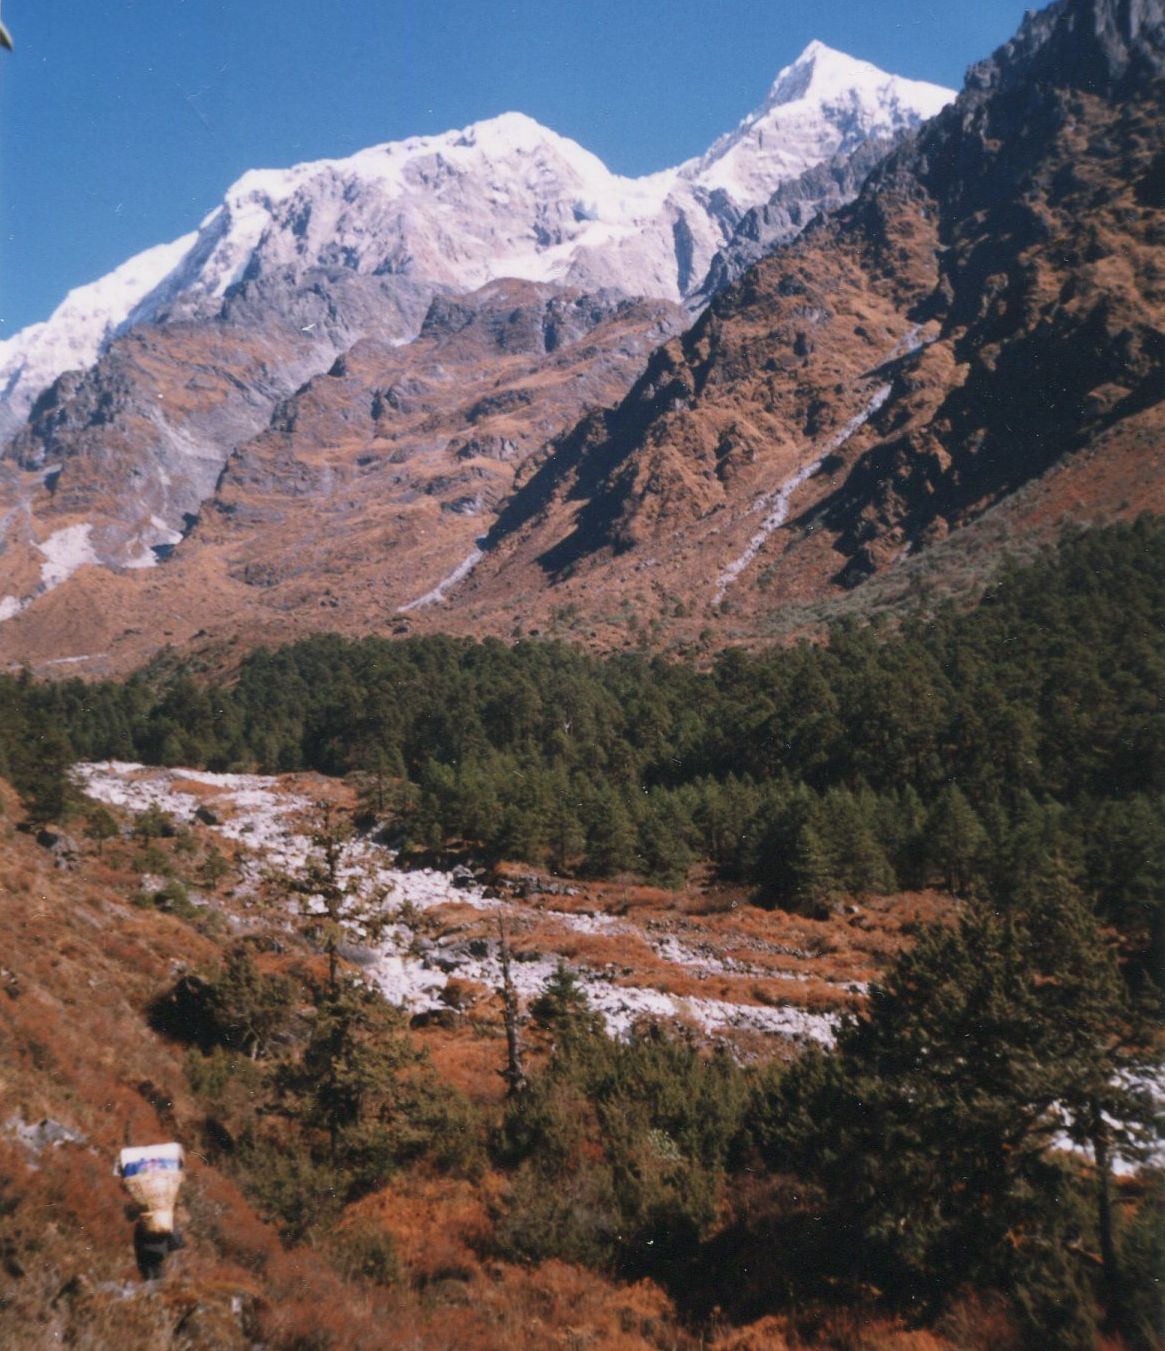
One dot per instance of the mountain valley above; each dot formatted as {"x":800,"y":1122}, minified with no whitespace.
{"x":591,"y":747}
{"x":332,"y":282}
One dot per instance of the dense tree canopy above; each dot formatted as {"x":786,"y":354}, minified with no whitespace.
{"x":971,"y":750}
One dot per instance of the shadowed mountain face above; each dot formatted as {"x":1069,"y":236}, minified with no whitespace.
{"x":989,"y":310}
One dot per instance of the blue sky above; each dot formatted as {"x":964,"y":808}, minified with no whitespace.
{"x":122,"y":122}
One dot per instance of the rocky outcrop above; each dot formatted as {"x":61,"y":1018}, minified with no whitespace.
{"x":793,"y":206}
{"x":988,"y":308}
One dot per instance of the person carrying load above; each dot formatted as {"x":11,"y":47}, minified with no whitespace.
{"x":152,"y":1175}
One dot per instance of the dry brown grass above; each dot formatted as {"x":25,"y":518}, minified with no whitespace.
{"x":82,"y":965}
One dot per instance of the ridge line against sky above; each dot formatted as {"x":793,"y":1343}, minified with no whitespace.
{"x":124,"y":123}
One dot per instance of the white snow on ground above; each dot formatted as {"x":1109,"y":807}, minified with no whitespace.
{"x":161,"y":535}
{"x":408,"y":968}
{"x":438,"y":593}
{"x":777,"y":502}
{"x":65,"y":551}
{"x":412,"y":970}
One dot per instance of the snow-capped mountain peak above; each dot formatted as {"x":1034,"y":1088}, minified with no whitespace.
{"x":825,"y":103}
{"x":503,"y":197}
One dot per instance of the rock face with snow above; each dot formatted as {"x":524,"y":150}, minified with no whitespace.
{"x":124,"y":410}
{"x":501,"y":198}
{"x":984,"y":318}
{"x":79,"y":329}
{"x":825,"y":104}
{"x":795,"y":204}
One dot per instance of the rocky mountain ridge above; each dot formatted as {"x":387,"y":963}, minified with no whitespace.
{"x":987,"y":311}
{"x":967,"y":355}
{"x":504,"y":197}
{"x":200,"y":345}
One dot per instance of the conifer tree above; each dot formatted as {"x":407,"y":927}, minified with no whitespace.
{"x":813,"y":882}
{"x":937,"y":1128}
{"x":338,"y":903}
{"x":101,"y":825}
{"x":347,"y":1076}
{"x":611,"y":838}
{"x":247,"y":1007}
{"x":955,"y":839}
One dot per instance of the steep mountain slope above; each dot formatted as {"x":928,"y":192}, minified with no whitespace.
{"x":370,"y":484}
{"x":203,"y":345}
{"x":501,"y":198}
{"x":824,"y":188}
{"x":989,"y":310}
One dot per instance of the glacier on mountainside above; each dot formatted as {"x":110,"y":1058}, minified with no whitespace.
{"x":505,"y":197}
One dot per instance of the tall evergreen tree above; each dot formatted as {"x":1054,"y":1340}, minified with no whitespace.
{"x":936,"y":1129}
{"x":338,"y":905}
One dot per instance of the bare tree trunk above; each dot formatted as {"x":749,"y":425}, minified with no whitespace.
{"x":1112,"y":1275}
{"x":513,"y":1074}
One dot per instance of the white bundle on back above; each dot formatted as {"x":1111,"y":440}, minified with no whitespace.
{"x":153,"y":1176}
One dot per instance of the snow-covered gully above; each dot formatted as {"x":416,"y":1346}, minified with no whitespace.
{"x":269,"y":822}
{"x":442,"y":589}
{"x":777,"y":503}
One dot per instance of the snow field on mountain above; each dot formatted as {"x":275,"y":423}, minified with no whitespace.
{"x":823,"y":93}
{"x":64,"y":551}
{"x":259,"y":813}
{"x":504,"y":197}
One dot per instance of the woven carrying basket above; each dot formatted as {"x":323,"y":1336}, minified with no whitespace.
{"x":153,"y":1178}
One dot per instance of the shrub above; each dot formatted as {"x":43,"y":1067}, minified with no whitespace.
{"x":362,"y":1250}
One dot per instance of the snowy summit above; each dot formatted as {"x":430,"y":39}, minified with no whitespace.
{"x":505,"y":197}
{"x":824,"y":104}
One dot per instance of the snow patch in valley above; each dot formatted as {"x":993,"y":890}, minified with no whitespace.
{"x":408,"y":968}
{"x":777,"y":503}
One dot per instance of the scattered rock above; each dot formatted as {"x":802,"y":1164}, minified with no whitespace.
{"x":38,"y":1136}
{"x":64,"y":848}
